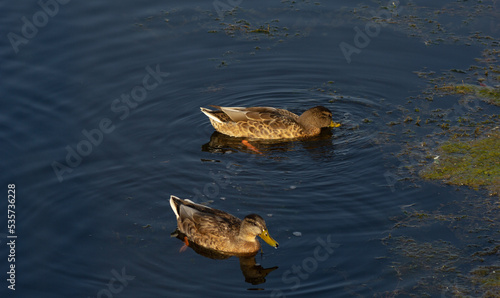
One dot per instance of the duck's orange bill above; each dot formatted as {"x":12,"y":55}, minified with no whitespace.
{"x":334,"y":124}
{"x":265,"y":236}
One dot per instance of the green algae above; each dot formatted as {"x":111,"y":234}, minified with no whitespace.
{"x":456,"y":267}
{"x":262,"y":29}
{"x":488,"y":278}
{"x":454,"y":127}
{"x":488,"y":94}
{"x":474,"y":162}
{"x":443,"y":263}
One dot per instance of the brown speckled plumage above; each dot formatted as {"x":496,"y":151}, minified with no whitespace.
{"x":267,"y":122}
{"x":218,"y":230}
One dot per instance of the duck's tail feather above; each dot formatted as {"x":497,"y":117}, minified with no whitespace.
{"x":209,"y":114}
{"x":175,"y":205}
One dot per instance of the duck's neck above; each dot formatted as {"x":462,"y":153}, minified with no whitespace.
{"x":244,"y":235}
{"x":304,"y":121}
{"x":247,"y":243}
{"x":311,"y":130}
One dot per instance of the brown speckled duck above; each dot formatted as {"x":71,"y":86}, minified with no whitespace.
{"x":269,"y":123}
{"x":218,"y":230}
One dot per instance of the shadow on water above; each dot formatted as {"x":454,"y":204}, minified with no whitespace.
{"x":253,"y":272}
{"x":220,"y":143}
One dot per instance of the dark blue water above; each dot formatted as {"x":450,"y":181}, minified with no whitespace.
{"x":100,"y":124}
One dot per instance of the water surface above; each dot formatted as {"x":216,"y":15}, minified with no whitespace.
{"x":327,"y":201}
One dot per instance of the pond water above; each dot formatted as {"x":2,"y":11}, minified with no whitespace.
{"x":101,"y":124}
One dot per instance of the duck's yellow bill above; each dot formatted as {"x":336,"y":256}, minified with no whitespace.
{"x":265,"y":236}
{"x":334,"y":124}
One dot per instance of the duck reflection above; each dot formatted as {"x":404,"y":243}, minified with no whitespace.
{"x":220,"y":143}
{"x":253,"y":272}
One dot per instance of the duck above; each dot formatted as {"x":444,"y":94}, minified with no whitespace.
{"x":268,"y":123}
{"x":218,"y":230}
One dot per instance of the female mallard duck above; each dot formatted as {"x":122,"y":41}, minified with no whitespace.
{"x":269,"y":123}
{"x":218,"y":230}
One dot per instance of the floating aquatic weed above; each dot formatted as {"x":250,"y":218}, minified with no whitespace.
{"x":474,"y":162}
{"x":489,"y":94}
{"x":457,"y":267}
{"x":488,"y":279}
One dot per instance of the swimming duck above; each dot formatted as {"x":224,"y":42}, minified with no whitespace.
{"x":269,"y":123}
{"x":218,"y":230}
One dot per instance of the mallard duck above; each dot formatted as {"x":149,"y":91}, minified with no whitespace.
{"x":218,"y":230}
{"x":269,"y":123}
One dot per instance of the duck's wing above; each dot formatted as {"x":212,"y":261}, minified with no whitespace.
{"x":213,"y":225}
{"x":250,"y":114}
{"x":186,"y":207}
{"x":206,"y":220}
{"x":207,"y":228}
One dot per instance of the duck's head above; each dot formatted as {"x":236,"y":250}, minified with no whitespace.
{"x":253,"y":225}
{"x":318,"y":117}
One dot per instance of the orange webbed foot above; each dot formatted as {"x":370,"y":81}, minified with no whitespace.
{"x":185,"y":246}
{"x":250,"y":146}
